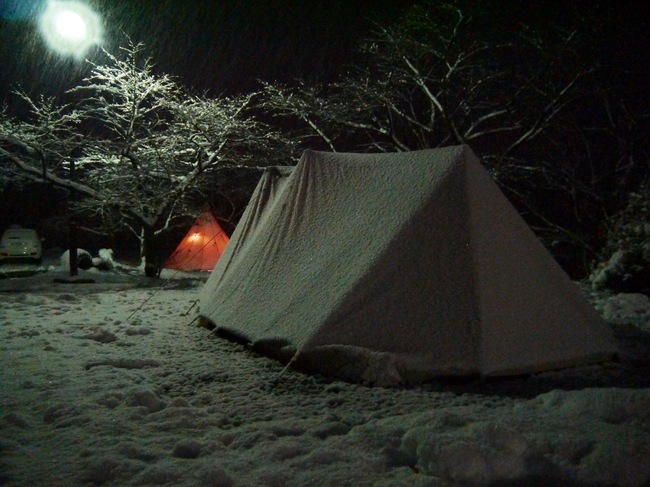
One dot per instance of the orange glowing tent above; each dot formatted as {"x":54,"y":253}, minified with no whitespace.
{"x":201,"y":248}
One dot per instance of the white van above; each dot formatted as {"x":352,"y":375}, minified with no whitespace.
{"x":20,"y":243}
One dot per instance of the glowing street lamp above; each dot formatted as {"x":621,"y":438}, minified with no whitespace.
{"x":71,"y":25}
{"x":70,"y":28}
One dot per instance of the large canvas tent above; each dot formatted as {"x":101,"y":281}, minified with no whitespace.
{"x":201,"y":247}
{"x":394,"y":268}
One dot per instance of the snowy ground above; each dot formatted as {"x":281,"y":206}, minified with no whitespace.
{"x":110,"y":384}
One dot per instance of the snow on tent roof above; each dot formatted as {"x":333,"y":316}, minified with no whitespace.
{"x":397,"y":267}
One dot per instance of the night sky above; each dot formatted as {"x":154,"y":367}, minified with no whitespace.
{"x":225,"y":46}
{"x":219,"y":46}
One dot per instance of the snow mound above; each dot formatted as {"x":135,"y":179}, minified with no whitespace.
{"x":530,"y":442}
{"x":627,"y":306}
{"x":352,"y":363}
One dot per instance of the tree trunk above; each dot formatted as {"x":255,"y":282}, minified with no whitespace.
{"x":72,"y":249}
{"x":150,"y":253}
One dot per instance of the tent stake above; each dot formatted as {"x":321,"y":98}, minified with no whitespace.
{"x":286,"y":367}
{"x":194,"y":303}
{"x":193,"y":320}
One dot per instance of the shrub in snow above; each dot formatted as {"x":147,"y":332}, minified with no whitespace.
{"x":105,"y":260}
{"x":626,"y":307}
{"x":625,"y":266}
{"x":84,"y":259}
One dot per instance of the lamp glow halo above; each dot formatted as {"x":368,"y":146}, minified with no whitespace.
{"x":70,"y":28}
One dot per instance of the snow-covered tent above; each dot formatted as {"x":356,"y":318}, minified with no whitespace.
{"x":201,"y":247}
{"x":397,"y":268}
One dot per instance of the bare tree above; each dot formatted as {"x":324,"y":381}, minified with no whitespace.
{"x":528,"y":101}
{"x":136,"y":149}
{"x":437,"y":78}
{"x":41,"y":144}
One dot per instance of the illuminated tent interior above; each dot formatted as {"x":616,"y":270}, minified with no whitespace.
{"x":397,"y":268}
{"x":201,"y":247}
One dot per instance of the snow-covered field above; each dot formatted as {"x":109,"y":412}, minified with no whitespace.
{"x":112,"y":384}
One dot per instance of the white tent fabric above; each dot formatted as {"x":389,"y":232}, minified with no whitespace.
{"x":397,"y":267}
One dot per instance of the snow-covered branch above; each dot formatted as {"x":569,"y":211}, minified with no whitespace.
{"x":136,"y":149}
